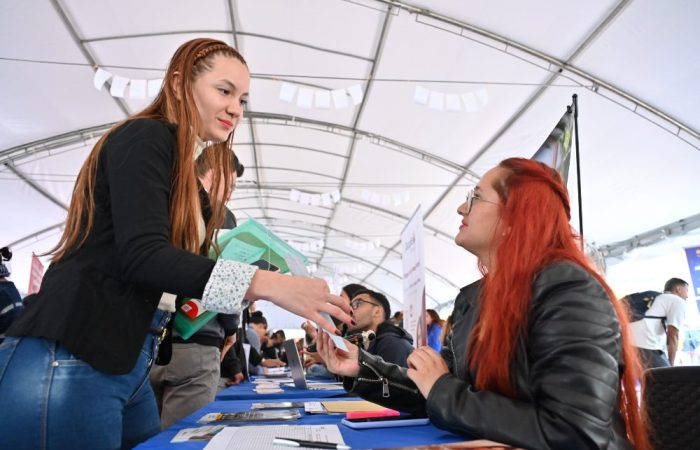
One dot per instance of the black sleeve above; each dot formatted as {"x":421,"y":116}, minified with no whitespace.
{"x":230,"y":365}
{"x":254,"y":358}
{"x":138,"y":160}
{"x":229,"y":322}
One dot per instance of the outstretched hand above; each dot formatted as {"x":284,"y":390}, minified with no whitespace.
{"x":338,"y":361}
{"x":425,"y":366}
{"x":306,"y":297}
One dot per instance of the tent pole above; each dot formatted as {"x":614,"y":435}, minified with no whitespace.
{"x":578,"y":172}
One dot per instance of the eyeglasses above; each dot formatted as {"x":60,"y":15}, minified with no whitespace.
{"x":356,"y":303}
{"x":471,"y":196}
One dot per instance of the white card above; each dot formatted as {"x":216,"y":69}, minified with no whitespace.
{"x":337,"y":340}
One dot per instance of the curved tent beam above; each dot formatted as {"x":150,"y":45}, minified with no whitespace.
{"x":238,"y":33}
{"x":81,"y":135}
{"x":307,"y":172}
{"x":36,"y":186}
{"x":388,"y":212}
{"x":559,"y":65}
{"x":295,"y":147}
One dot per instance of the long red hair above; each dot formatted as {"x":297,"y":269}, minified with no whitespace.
{"x":174,"y":104}
{"x":535,"y":212}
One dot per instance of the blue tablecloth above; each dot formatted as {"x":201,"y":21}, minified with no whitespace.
{"x":245,"y":391}
{"x":357,"y":439}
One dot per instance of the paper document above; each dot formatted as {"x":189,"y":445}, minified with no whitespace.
{"x":297,"y":268}
{"x":260,"y":437}
{"x":338,"y":341}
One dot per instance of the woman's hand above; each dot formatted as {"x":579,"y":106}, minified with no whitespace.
{"x":337,"y":361}
{"x":272,"y":363}
{"x":425,"y":366}
{"x":236,"y":379}
{"x":306,"y":297}
{"x":311,"y":358}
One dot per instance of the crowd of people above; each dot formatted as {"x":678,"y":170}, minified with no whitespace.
{"x":538,"y":353}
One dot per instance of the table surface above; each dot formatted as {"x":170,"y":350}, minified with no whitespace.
{"x":357,"y":439}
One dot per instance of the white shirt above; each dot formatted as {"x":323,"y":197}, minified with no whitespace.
{"x":650,"y":333}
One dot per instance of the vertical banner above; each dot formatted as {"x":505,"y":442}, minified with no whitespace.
{"x":413,"y":256}
{"x":556,"y":149}
{"x":693,"y":255}
{"x":36,"y":273}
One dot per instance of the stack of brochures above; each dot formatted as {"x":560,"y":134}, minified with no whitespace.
{"x":249,"y":243}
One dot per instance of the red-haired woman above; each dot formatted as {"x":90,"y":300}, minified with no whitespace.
{"x":74,"y":367}
{"x":540,"y":355}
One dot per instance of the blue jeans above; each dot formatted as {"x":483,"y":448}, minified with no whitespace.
{"x":49,"y":399}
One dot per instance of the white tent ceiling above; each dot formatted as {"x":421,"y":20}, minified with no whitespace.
{"x":633,"y":64}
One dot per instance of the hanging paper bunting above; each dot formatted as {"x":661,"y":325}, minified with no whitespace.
{"x":119,"y":85}
{"x":340,"y":98}
{"x":137,"y":89}
{"x":100,"y":78}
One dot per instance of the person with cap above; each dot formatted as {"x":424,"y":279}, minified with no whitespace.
{"x":10,"y":300}
{"x":372,"y":313}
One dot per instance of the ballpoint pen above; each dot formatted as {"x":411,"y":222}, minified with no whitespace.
{"x":312,"y":444}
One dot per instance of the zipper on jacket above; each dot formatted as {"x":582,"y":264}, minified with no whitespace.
{"x":385,"y":382}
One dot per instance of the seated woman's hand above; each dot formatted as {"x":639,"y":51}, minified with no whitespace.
{"x":425,"y":366}
{"x":337,"y":361}
{"x":311,"y":358}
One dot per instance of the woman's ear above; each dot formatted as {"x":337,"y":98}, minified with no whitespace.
{"x":175,"y":85}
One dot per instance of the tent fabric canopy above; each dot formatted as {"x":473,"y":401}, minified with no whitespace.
{"x":509,"y":67}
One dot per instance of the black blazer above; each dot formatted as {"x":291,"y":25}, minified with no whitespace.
{"x":99,"y":300}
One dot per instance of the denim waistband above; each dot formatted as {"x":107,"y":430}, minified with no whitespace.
{"x":159,"y":322}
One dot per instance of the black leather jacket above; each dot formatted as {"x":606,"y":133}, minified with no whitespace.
{"x":566,"y":372}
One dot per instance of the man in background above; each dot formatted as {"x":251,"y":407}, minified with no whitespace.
{"x":652,"y":336}
{"x":372,"y":312}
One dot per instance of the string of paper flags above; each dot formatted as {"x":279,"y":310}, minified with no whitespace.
{"x":470,"y":102}
{"x":304,"y":97}
{"x":305,"y":198}
{"x":138,"y":88}
{"x":308,"y":98}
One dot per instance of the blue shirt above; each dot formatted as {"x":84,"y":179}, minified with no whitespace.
{"x":434,"y":331}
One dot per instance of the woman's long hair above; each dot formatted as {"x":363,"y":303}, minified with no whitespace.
{"x":174,"y":104}
{"x":435,"y":317}
{"x":535,"y":233}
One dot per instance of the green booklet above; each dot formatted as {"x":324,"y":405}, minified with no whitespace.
{"x":249,"y":243}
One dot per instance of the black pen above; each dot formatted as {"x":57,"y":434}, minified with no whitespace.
{"x":313,"y":444}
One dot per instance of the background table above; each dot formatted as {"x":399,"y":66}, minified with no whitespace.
{"x":357,"y":439}
{"x":245,"y":391}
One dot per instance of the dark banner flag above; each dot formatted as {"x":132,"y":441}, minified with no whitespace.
{"x":556,"y":149}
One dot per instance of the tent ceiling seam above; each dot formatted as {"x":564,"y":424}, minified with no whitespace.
{"x":36,"y":186}
{"x":381,"y":39}
{"x":68,"y":23}
{"x":231,"y":8}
